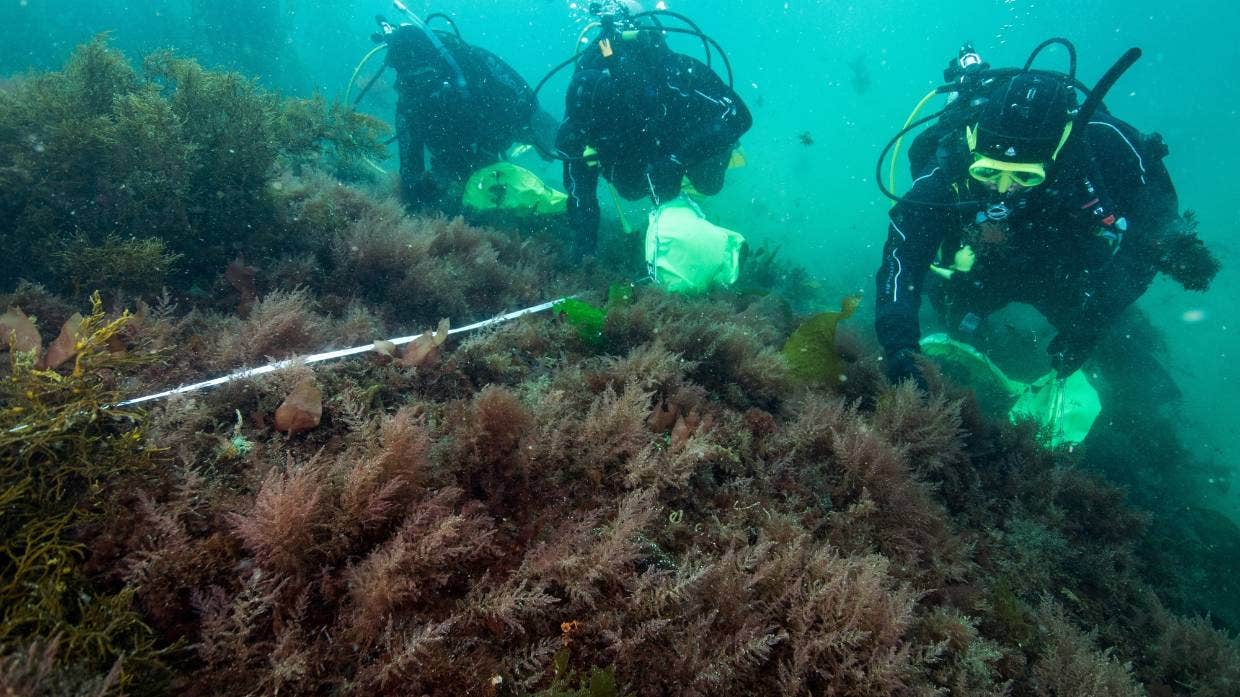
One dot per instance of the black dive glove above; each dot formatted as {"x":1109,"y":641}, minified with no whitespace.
{"x":902,"y":365}
{"x":665,"y":175}
{"x":1067,"y":356}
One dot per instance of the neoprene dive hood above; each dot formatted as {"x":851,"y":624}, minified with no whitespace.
{"x":1026,"y":119}
{"x":1013,"y":114}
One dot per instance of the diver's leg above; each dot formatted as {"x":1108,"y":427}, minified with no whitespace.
{"x":417,"y":189}
{"x":451,"y":171}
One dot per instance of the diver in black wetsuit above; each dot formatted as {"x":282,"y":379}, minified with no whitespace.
{"x":644,"y":117}
{"x":1009,"y":205}
{"x":461,"y":104}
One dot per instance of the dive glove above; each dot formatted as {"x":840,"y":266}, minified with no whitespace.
{"x":1067,"y":356}
{"x":665,"y":176}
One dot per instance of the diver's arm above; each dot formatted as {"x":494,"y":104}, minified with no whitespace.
{"x":415,"y":186}
{"x":1132,"y":172}
{"x":1146,"y":207}
{"x":1109,"y":293}
{"x":913,"y":237}
{"x":581,"y":185}
{"x":581,"y":168}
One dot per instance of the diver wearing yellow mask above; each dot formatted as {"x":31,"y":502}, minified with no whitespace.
{"x":1021,"y":194}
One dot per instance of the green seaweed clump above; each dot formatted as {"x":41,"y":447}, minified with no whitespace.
{"x":143,"y":264}
{"x":63,"y":451}
{"x":587,"y":319}
{"x":568,"y":683}
{"x":810,"y":352}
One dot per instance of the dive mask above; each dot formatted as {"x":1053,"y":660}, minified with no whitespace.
{"x":1003,"y":174}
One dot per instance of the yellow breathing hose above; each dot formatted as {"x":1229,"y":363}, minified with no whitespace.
{"x":348,"y":92}
{"x":895,"y":153}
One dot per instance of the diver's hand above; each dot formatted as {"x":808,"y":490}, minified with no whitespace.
{"x":902,"y":365}
{"x":665,"y":175}
{"x":1066,"y":356}
{"x":423,"y":192}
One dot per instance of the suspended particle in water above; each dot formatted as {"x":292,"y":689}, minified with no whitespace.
{"x":1193,"y":316}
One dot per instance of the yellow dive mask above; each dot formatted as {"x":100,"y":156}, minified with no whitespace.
{"x":1002,"y":174}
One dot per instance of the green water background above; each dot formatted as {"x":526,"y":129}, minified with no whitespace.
{"x":793,"y":66}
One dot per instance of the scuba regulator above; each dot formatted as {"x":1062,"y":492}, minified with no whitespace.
{"x":610,"y":13}
{"x":962,"y":71}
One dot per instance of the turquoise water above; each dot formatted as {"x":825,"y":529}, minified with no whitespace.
{"x":794,"y":65}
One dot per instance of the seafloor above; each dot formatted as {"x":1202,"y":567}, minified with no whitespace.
{"x":635,"y":495}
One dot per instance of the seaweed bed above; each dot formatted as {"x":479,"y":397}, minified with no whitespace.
{"x":653,"y":507}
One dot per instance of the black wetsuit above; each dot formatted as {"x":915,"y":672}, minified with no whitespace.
{"x":652,"y":117}
{"x":1078,"y":247}
{"x":464,"y":127}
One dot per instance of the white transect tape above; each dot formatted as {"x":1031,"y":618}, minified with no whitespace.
{"x":330,"y":355}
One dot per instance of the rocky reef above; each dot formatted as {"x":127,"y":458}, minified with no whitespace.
{"x":645,"y":499}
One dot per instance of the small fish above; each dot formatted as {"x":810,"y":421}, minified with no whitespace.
{"x":806,"y":138}
{"x":860,"y":75}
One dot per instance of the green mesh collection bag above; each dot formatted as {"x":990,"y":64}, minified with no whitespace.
{"x":508,"y":188}
{"x":1064,"y":409}
{"x":686,"y":253}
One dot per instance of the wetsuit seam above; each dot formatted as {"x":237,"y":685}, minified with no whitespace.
{"x":1137,"y":153}
{"x":895,"y":280}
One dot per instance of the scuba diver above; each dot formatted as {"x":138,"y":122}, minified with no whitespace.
{"x":1022,"y":194}
{"x":643,"y":116}
{"x":460,"y":104}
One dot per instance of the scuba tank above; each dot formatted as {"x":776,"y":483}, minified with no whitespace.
{"x":614,"y":23}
